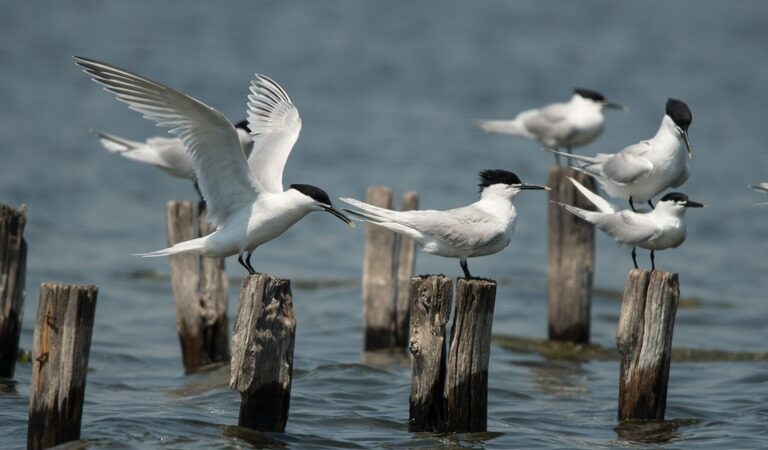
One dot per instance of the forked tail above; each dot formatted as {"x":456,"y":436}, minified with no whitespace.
{"x":190,"y":246}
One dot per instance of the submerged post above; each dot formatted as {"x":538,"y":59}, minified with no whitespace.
{"x":406,"y":260}
{"x":200,"y":290}
{"x":13,"y":267}
{"x":378,"y":276}
{"x":262,"y":352}
{"x":431,"y":298}
{"x":644,"y":340}
{"x":466,"y":384}
{"x":571,"y":258}
{"x":61,"y":345}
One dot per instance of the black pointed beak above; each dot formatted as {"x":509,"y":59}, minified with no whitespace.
{"x":331,"y":209}
{"x":525,"y":186}
{"x":687,"y":143}
{"x":692,"y":204}
{"x":612,"y":105}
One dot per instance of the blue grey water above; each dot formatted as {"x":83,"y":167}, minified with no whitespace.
{"x":388,"y":92}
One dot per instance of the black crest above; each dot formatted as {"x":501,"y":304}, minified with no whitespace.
{"x":675,"y":197}
{"x":589,"y":93}
{"x":243,"y":125}
{"x":313,"y":192}
{"x":497,"y":176}
{"x":679,"y":112}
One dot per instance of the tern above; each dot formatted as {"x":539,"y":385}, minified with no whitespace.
{"x":246,"y":200}
{"x":559,"y":125}
{"x":165,"y":153}
{"x":658,"y":229}
{"x":481,"y":228}
{"x":762,"y":187}
{"x":643,"y":170}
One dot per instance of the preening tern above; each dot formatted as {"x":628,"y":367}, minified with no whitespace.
{"x":643,"y":170}
{"x":559,"y":125}
{"x":245,"y":198}
{"x":166,"y":153}
{"x":661,"y":228}
{"x":481,"y":228}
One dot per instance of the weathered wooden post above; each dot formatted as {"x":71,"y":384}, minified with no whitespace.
{"x":200,"y":289}
{"x":60,"y":350}
{"x":644,"y":340}
{"x":466,"y":383}
{"x":431,"y":298}
{"x":378,"y":276}
{"x":571,"y":258}
{"x":262,"y":352}
{"x":13,"y":267}
{"x":406,"y":261}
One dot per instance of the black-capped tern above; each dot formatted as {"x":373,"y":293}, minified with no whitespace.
{"x":482,"y":228}
{"x":658,"y":229}
{"x":246,"y":200}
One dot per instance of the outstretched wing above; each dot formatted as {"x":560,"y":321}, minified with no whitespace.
{"x":210,"y":138}
{"x":275,"y":125}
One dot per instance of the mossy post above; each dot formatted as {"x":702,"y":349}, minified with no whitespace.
{"x":60,"y":349}
{"x":571,"y":258}
{"x":431,"y":297}
{"x":262,"y":352}
{"x":200,"y":290}
{"x":644,"y":340}
{"x":13,"y":268}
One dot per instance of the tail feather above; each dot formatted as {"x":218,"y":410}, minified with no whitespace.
{"x":190,"y":246}
{"x":582,"y":213}
{"x":114,"y":143}
{"x":573,"y":156}
{"x":513,"y":127}
{"x":601,"y":204}
{"x":370,"y":212}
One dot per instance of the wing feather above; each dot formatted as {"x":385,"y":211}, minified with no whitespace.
{"x":275,"y":126}
{"x":209,"y":137}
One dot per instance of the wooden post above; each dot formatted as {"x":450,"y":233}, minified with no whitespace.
{"x":644,"y":339}
{"x":466,"y":384}
{"x":378,"y":276}
{"x":571,"y":258}
{"x":200,"y":289}
{"x":431,"y":298}
{"x":406,"y":261}
{"x":62,"y":342}
{"x":13,"y":267}
{"x":262,"y":352}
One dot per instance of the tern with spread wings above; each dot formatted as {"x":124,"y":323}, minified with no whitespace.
{"x":246,"y":200}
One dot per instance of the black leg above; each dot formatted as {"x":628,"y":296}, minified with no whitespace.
{"x":632,"y":205}
{"x":557,"y":159}
{"x":463,"y":263}
{"x":242,"y":263}
{"x":653,"y":261}
{"x":569,"y":150}
{"x":634,"y":257}
{"x":248,"y":263}
{"x":651,"y":204}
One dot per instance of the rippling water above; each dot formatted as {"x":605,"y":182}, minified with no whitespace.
{"x":388,"y":92}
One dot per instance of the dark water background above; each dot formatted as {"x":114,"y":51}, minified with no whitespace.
{"x":388,"y":92}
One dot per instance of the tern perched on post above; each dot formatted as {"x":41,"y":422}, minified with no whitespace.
{"x":559,"y":125}
{"x":482,"y":228}
{"x":643,"y":170}
{"x":166,"y":153}
{"x":245,"y":198}
{"x":661,"y":228}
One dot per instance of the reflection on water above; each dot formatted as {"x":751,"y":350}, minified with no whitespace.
{"x":652,"y":432}
{"x":563,"y":379}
